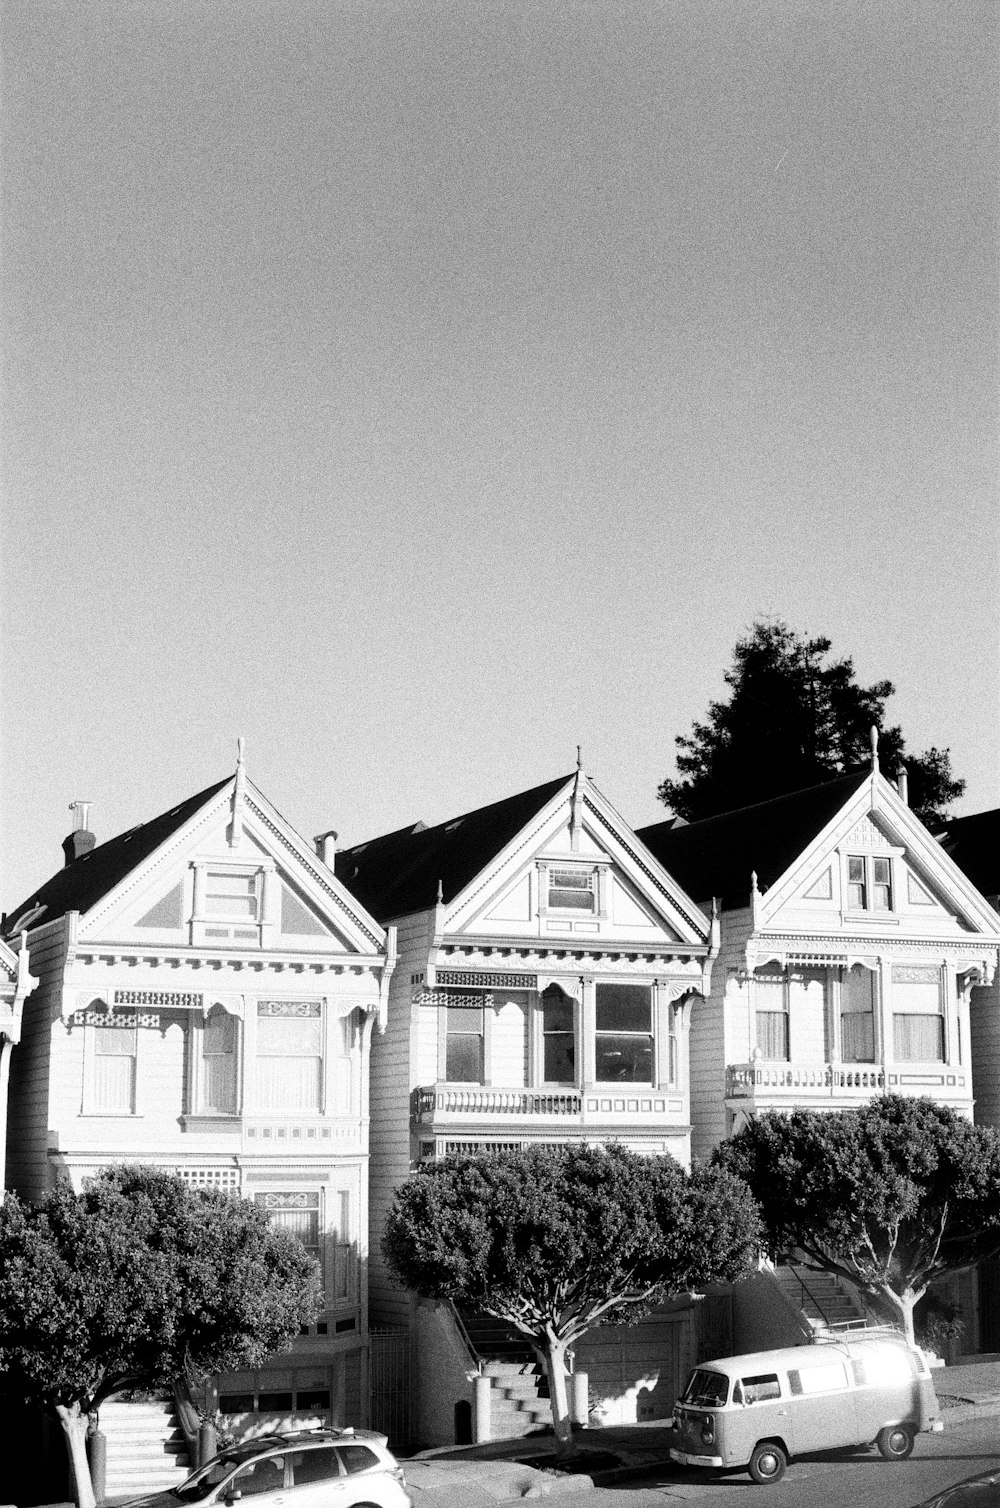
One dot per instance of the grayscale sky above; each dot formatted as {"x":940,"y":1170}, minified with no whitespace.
{"x":422,"y":389}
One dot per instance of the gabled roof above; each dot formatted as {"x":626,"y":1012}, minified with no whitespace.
{"x":398,"y":873}
{"x":716,"y":856}
{"x":80,"y":885}
{"x":973,"y":843}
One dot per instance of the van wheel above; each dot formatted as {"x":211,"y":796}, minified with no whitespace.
{"x":895,"y":1442}
{"x":768,"y":1462}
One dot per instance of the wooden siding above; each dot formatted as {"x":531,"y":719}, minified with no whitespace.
{"x":404,"y":1056}
{"x":28,"y":1117}
{"x":984,"y":1052}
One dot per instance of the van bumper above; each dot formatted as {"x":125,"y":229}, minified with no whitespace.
{"x":688,"y":1460}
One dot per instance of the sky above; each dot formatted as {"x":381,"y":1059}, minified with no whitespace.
{"x":420,"y":390}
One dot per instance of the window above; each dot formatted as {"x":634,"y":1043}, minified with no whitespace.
{"x":869,"y":883}
{"x":857,"y":1016}
{"x":757,"y":1389}
{"x":298,"y":1213}
{"x":357,"y":1458}
{"x":771,"y":1011}
{"x":232,"y":895}
{"x":315,"y":1465}
{"x":267,"y":1475}
{"x":558,"y":1038}
{"x":218,"y":1062}
{"x":464,"y":1056}
{"x":114,"y":1068}
{"x":572,"y":890}
{"x":831,"y":1378}
{"x":289,"y":1055}
{"x":624,"y":1044}
{"x":917,"y":1018}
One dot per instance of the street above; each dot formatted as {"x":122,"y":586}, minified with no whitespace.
{"x":833,"y":1480}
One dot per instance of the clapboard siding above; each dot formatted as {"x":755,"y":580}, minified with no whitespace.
{"x":28,"y":1105}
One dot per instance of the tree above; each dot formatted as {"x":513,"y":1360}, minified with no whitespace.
{"x":889,"y":1196}
{"x":557,"y":1239}
{"x":131,"y":1281}
{"x":795,"y":718}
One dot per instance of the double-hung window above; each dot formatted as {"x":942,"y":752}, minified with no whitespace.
{"x":572,"y":890}
{"x":917,"y":1014}
{"x":465,"y":1057}
{"x":289,"y":1055}
{"x":624,"y":1033}
{"x":114,"y":1068}
{"x":218,"y":1063}
{"x":869,"y":883}
{"x":298,"y":1213}
{"x":558,"y":1037}
{"x":857,"y":1016}
{"x":771,"y":1013}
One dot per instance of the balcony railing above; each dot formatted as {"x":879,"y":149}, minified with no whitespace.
{"x":820,"y":1079}
{"x":438,"y":1101}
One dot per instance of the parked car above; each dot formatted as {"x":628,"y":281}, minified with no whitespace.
{"x":980,"y":1491}
{"x":760,"y":1409}
{"x":321,"y":1468}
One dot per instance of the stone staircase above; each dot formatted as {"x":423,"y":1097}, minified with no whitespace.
{"x":819,"y":1297}
{"x":519,"y":1400}
{"x":146,"y":1451}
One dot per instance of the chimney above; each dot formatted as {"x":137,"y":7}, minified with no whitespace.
{"x":326,"y":847}
{"x":81,"y":840}
{"x":902,"y":785}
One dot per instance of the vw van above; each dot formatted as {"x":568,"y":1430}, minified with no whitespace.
{"x":761,"y":1409}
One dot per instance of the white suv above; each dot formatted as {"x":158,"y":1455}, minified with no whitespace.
{"x":321,"y":1468}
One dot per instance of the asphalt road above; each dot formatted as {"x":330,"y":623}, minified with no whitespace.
{"x":835,"y":1480}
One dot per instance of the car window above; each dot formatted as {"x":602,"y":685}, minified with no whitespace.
{"x":830,"y":1378}
{"x":357,"y":1458}
{"x":267,"y":1475}
{"x":314,"y":1465}
{"x":706,"y":1388}
{"x":759,"y":1389}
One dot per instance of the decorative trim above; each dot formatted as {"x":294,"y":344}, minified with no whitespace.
{"x":173,"y":1000}
{"x":644,"y":867}
{"x":338,"y":900}
{"x":473,"y":978}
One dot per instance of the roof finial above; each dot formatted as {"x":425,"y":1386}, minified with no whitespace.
{"x":236,"y":825}
{"x":440,"y":894}
{"x":874,"y":738}
{"x":579,"y":756}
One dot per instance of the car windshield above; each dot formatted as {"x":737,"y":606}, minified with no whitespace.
{"x":708,"y":1388}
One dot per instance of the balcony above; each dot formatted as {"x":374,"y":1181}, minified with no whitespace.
{"x":849,"y":1083}
{"x":446,"y":1110}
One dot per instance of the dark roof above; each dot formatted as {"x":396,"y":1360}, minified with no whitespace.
{"x":974,"y":844}
{"x":398,"y":873}
{"x":716,"y":856}
{"x":80,"y":885}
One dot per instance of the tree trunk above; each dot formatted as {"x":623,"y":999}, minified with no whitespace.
{"x":554,"y":1352}
{"x":901,"y":1306}
{"x":74,"y":1423}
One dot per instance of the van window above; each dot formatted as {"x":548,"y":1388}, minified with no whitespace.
{"x":888,"y":1367}
{"x":831,"y":1378}
{"x":757,"y":1389}
{"x":707,"y":1388}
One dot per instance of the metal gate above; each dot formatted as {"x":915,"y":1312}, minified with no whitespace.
{"x":389,"y":1371}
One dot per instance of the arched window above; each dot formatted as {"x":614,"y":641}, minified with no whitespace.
{"x":219,"y":1062}
{"x":558,"y":1037}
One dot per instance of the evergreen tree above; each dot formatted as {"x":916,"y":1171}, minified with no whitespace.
{"x":795,"y":718}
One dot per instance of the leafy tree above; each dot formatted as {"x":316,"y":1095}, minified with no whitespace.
{"x":795,"y":718}
{"x":557,"y":1239}
{"x":133,"y":1280}
{"x":889,"y":1196}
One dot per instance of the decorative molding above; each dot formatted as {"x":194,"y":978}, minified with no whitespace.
{"x":483,"y":979}
{"x":172,"y":1000}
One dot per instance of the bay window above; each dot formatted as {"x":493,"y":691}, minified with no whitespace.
{"x":289,"y":1055}
{"x":917,"y":1015}
{"x":464,"y":1061}
{"x":114,"y":1068}
{"x":624,"y":1035}
{"x":558,"y":1037}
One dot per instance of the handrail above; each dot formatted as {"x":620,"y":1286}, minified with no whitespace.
{"x":474,"y":1355}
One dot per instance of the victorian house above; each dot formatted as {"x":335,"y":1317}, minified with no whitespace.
{"x":851,"y":947}
{"x":206,"y":995}
{"x":548,"y":965}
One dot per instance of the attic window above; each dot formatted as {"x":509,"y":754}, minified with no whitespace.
{"x":233,"y":895}
{"x":572,"y":890}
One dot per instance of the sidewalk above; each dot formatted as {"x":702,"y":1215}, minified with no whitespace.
{"x":479,"y":1476}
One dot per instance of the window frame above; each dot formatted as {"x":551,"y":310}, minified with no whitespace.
{"x":871,"y":883}
{"x":198,"y":1068}
{"x":91,"y":1104}
{"x":323,"y":1058}
{"x":542,"y":1035}
{"x":765,"y":978}
{"x":651,"y":1035}
{"x":928,"y":975}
